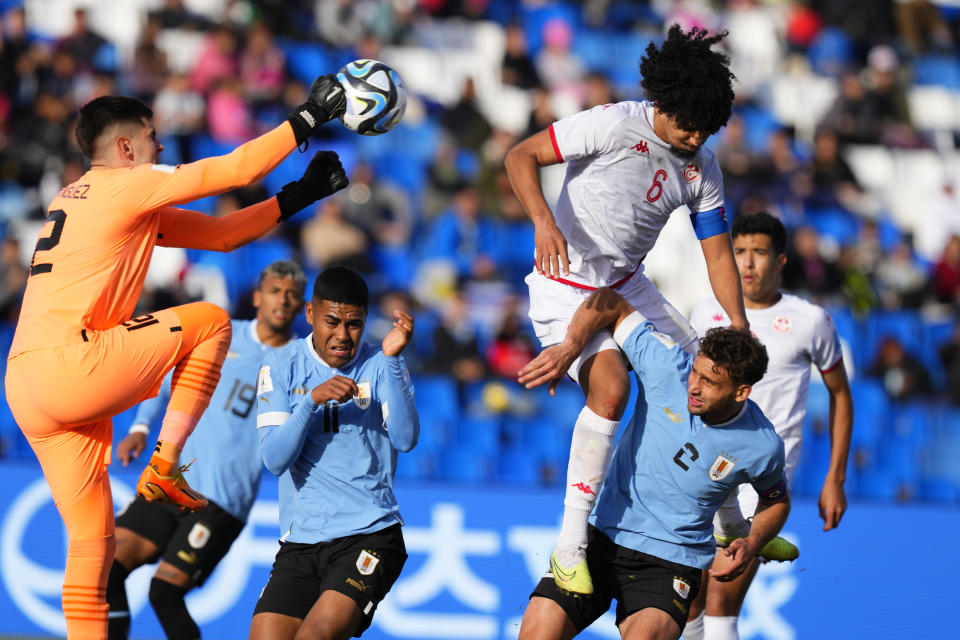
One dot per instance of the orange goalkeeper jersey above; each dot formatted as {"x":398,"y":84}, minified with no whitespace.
{"x":92,"y":256}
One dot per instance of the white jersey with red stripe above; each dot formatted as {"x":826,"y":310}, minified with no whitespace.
{"x":796,"y":333}
{"x":621,"y":185}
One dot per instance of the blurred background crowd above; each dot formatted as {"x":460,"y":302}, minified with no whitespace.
{"x":845,"y":126}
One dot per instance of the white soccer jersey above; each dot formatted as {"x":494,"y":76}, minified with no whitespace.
{"x":796,"y":333}
{"x":621,"y":185}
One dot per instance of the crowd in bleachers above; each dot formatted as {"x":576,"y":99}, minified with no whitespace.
{"x":845,"y":126}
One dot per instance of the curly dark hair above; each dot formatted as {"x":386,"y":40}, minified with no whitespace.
{"x":737,"y":352}
{"x":689,"y":81}
{"x":761,"y":223}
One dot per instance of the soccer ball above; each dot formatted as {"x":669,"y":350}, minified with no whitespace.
{"x":376,"y":97}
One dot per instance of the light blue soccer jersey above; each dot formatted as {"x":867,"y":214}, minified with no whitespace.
{"x":671,"y":471}
{"x":224,"y":442}
{"x":340,"y":457}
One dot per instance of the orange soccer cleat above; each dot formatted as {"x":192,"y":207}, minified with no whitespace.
{"x":171,"y":489}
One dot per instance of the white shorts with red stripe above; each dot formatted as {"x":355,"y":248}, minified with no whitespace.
{"x":552,"y":305}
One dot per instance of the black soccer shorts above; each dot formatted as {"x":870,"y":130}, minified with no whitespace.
{"x":635,"y":580}
{"x":362,"y":567}
{"x":193,"y":542}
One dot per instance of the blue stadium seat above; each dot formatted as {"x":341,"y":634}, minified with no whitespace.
{"x":905,"y":326}
{"x":464,"y":465}
{"x":871,"y":412}
{"x":480,"y":434}
{"x":397,"y":264}
{"x":937,"y":70}
{"x":836,"y":223}
{"x":420,"y":463}
{"x":518,"y":467}
{"x":306,"y":60}
{"x":438,"y":407}
{"x":831,"y":52}
{"x":939,"y":489}
{"x":850,"y":329}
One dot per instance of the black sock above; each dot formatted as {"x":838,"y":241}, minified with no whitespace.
{"x":118,"y":625}
{"x":171,"y":610}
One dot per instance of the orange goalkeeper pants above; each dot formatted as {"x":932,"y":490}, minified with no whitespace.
{"x":64,"y":398}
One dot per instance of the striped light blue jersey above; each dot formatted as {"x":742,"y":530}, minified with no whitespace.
{"x":224,"y":442}
{"x":671,"y":471}
{"x":341,"y":457}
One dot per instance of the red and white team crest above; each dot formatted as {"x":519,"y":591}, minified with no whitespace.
{"x":782,"y":324}
{"x":691,"y":172}
{"x":718,"y":317}
{"x":721,"y":467}
{"x":362,"y":399}
{"x":199,"y":535}
{"x":366,"y":562}
{"x":681,"y":587}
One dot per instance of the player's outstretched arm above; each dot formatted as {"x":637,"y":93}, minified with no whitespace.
{"x":523,"y":163}
{"x":767,"y":523}
{"x":833,"y":499}
{"x":194,"y":230}
{"x":605,"y":308}
{"x":725,"y":277}
{"x":403,"y":422}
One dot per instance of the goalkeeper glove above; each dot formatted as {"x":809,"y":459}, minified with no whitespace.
{"x":324,"y":175}
{"x":325,"y":102}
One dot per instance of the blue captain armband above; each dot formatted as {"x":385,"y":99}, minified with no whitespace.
{"x":709,"y":223}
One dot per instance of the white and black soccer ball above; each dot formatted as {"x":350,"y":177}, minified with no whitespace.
{"x":376,"y":97}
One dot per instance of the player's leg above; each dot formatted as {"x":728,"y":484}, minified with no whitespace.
{"x":554,"y":613}
{"x":195,"y":548}
{"x":206,"y":338}
{"x":650,"y":624}
{"x":606,"y":386}
{"x":544,"y":619}
{"x":74,"y":466}
{"x":655,"y":595}
{"x":358,"y":571}
{"x":290,"y":592}
{"x":142,"y":531}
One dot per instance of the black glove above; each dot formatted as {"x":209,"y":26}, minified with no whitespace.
{"x":325,"y":102}
{"x":324,"y":175}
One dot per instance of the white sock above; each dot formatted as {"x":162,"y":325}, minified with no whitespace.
{"x":720,"y":628}
{"x":694,"y":628}
{"x":729,"y":521}
{"x":590,"y":451}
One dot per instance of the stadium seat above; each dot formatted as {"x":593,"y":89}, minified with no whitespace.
{"x":937,"y":70}
{"x":905,"y":326}
{"x":438,"y":407}
{"x":480,"y":434}
{"x":420,"y":463}
{"x":462,"y":464}
{"x":518,"y":467}
{"x":871,"y":411}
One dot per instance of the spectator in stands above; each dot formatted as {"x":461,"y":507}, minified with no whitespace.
{"x":903,"y":376}
{"x":853,"y":115}
{"x":464,"y":122}
{"x":737,"y":161}
{"x":901,"y":283}
{"x":950,"y":357}
{"x":229,"y":118}
{"x":380,"y":209}
{"x":833,"y":181}
{"x":328,"y":239}
{"x":946,"y":273}
{"x":542,"y":113}
{"x":598,"y":90}
{"x":922,"y":27}
{"x":517,"y":68}
{"x":890,"y":99}
{"x":13,"y":46}
{"x":456,"y":345}
{"x":807,"y":272}
{"x":444,"y":179}
{"x":512,"y":347}
{"x":82,"y":44}
{"x":148,"y":73}
{"x":462,"y":235}
{"x":261,"y":66}
{"x":217,"y":60}
{"x":559,"y":66}
{"x":179,"y":112}
{"x":380,"y":322}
